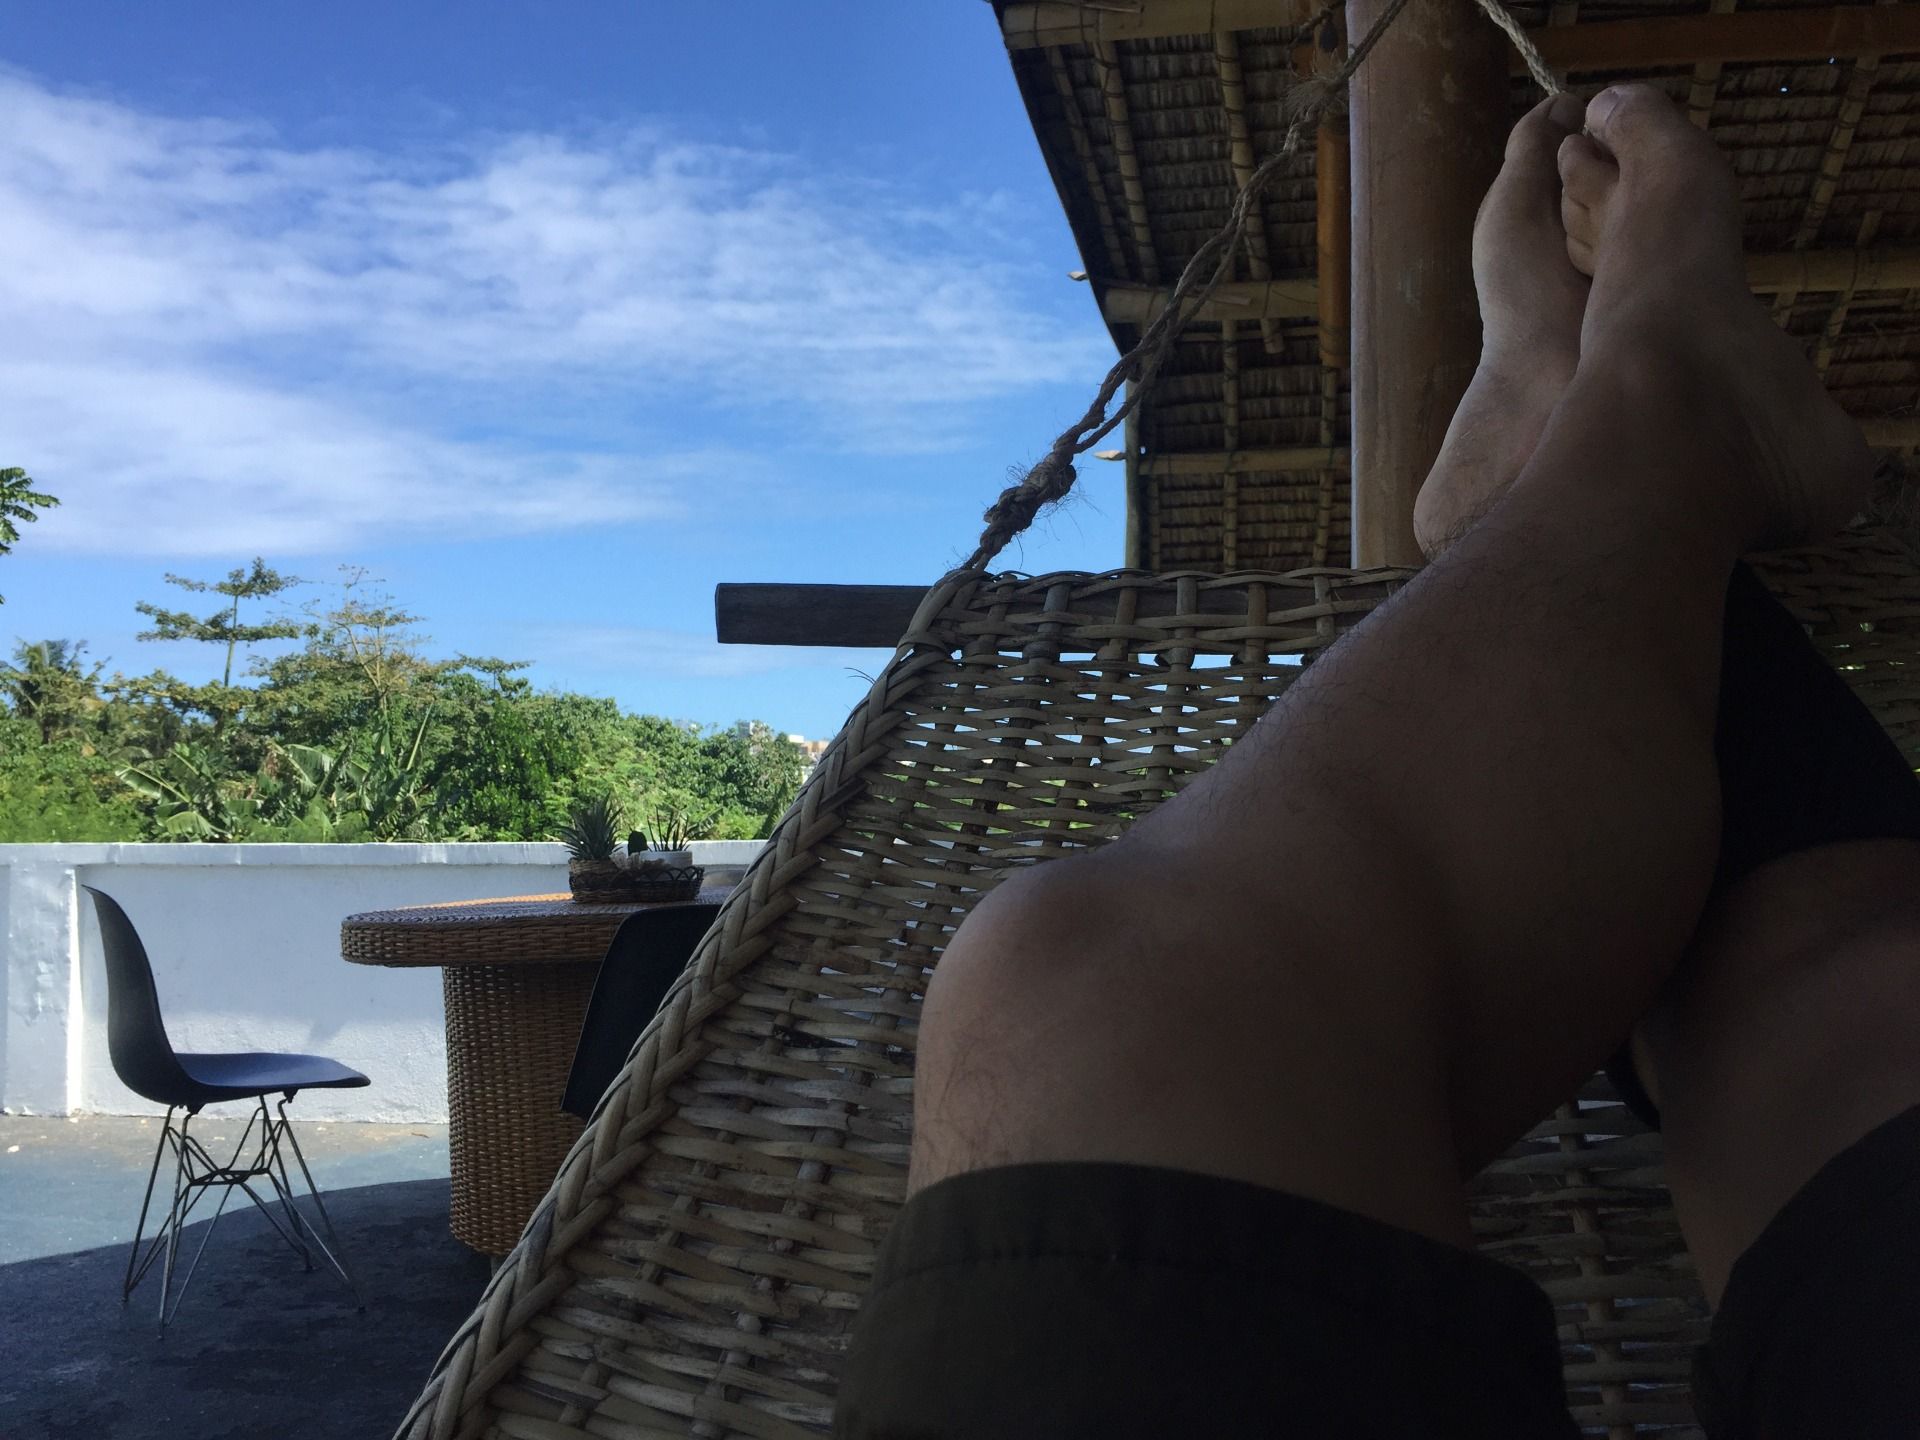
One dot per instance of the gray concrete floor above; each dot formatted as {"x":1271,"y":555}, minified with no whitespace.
{"x":260,"y":1346}
{"x":74,"y":1183}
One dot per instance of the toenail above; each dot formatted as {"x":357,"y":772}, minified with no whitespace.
{"x":1601,"y":108}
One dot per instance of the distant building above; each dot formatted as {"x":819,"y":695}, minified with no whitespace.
{"x":813,"y":749}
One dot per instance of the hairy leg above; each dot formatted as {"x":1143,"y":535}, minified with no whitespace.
{"x":1429,"y":891}
{"x":1785,"y":1037}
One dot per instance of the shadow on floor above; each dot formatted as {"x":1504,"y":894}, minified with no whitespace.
{"x":260,"y":1348}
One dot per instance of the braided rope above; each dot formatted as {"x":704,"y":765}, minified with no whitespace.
{"x":1537,"y":66}
{"x":1048,"y":482}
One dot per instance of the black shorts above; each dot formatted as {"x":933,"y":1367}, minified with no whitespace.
{"x":1123,"y":1300}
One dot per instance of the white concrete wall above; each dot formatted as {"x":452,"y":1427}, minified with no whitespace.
{"x":245,"y":946}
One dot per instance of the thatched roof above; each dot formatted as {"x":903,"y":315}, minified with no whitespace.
{"x":1135,"y":105}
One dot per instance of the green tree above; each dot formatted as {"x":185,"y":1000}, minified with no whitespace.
{"x":194,"y":795}
{"x":50,"y":685}
{"x":18,"y":502}
{"x":63,"y":791}
{"x":222,"y":702}
{"x":752,"y":773}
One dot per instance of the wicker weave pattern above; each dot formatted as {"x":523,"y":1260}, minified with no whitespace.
{"x":696,"y":1267}
{"x":511,"y":1033}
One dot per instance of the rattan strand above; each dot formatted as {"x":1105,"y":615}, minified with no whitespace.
{"x":697,"y":1264}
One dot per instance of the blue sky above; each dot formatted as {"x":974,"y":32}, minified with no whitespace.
{"x":551,"y":316}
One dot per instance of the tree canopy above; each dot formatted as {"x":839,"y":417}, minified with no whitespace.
{"x":354,"y":731}
{"x":19,"y":504}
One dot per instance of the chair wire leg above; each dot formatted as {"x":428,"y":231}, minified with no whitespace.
{"x":218,"y":1210}
{"x":146,"y":1201}
{"x":276,"y":1172}
{"x":174,"y":1219}
{"x":337,"y":1253}
{"x":261,"y":1163}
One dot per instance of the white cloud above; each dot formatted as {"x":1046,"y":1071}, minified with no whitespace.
{"x":217,"y":340}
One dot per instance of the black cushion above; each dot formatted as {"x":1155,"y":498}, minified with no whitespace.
{"x":647,"y":954}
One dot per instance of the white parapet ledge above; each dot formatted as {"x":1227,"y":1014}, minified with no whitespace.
{"x":490,"y":852}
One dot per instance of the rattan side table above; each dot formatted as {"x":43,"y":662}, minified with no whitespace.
{"x":517,"y":974}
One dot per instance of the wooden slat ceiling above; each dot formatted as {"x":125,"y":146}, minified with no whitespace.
{"x":1151,"y":113}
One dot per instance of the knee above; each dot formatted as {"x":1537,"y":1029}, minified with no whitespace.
{"x":1023,"y":945}
{"x":1006,"y":1016}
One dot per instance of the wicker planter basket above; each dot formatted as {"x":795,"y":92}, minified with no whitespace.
{"x":597,"y":882}
{"x":669,"y":882}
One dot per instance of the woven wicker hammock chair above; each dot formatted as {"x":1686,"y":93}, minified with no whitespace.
{"x":696,"y":1267}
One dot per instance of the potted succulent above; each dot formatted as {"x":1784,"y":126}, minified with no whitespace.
{"x":593,"y":874}
{"x":659,"y":858}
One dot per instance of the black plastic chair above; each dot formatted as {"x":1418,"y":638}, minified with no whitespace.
{"x":148,"y":1065}
{"x":644,"y":958}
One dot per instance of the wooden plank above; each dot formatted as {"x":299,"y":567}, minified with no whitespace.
{"x":1842,"y":32}
{"x":855,"y":615}
{"x":1428,"y":120}
{"x":1029,"y":26}
{"x":877,"y":609}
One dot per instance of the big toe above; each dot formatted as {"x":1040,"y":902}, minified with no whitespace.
{"x":1521,"y":210}
{"x":1628,"y":118}
{"x":1531,"y":144}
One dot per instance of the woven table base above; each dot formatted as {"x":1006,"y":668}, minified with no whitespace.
{"x":511,"y":1033}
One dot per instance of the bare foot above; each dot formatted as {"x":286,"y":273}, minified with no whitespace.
{"x":1531,"y":301}
{"x":1651,"y":213}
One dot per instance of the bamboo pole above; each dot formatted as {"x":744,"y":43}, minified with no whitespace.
{"x":1136,"y":541}
{"x":1429,"y":115}
{"x":1230,"y":482}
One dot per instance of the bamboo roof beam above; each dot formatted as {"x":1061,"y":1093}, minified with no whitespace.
{"x":1233,"y":99}
{"x":1892,"y":432}
{"x":1300,"y":459}
{"x":1292,"y":298}
{"x":1893,"y":267}
{"x":1083,"y":153}
{"x":1885,"y":432}
{"x":1113,"y":90}
{"x":1837,"y":316}
{"x":1706,"y":77}
{"x":1297,"y":297}
{"x":1843,"y":32}
{"x":1029,"y":26}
